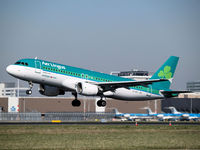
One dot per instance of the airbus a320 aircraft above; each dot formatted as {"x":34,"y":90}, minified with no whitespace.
{"x":56,"y":79}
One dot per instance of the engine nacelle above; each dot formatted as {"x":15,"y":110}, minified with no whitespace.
{"x":50,"y":90}
{"x":87,"y":89}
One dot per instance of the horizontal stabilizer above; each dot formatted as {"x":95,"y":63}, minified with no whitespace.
{"x":169,"y":94}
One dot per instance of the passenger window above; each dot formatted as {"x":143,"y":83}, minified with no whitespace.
{"x":22,"y":63}
{"x":26,"y":64}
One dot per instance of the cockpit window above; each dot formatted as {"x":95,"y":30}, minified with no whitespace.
{"x":22,"y":63}
{"x":18,"y":62}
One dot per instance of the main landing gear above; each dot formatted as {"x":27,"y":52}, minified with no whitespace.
{"x":76,"y":102}
{"x":29,"y":92}
{"x":101,"y":103}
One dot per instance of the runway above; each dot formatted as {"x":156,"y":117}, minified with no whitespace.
{"x":99,"y":123}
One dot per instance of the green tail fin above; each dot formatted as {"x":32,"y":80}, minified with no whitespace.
{"x":166,"y":71}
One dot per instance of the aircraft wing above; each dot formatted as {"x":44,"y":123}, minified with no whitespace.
{"x":126,"y":84}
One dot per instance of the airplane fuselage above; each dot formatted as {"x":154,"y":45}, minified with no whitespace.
{"x":66,"y":78}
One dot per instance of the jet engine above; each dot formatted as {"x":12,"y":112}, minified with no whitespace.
{"x":87,"y":89}
{"x":50,"y":90}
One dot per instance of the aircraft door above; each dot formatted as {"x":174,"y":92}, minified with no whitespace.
{"x":37,"y":66}
{"x":149,"y":91}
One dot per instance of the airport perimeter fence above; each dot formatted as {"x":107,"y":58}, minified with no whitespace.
{"x":67,"y":116}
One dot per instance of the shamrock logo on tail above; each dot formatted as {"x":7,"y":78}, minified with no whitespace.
{"x":165,"y":74}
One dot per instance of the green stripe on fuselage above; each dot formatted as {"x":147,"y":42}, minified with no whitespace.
{"x":82,"y":73}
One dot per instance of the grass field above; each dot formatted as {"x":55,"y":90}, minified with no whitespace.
{"x":91,"y":137}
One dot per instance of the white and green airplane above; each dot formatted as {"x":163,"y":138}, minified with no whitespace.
{"x":56,"y":79}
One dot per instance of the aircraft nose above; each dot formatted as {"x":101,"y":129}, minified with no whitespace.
{"x":10,"y":69}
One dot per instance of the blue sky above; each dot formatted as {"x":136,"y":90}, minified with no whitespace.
{"x":104,"y":35}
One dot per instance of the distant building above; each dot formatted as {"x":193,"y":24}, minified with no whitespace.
{"x":186,"y":105}
{"x":9,"y":89}
{"x":63,"y":104}
{"x":5,"y":89}
{"x":133,"y":74}
{"x":193,"y":86}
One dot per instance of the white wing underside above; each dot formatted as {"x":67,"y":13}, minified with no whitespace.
{"x":126,"y":84}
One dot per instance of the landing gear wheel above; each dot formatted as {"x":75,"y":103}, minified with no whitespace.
{"x":28,"y":92}
{"x":101,"y":103}
{"x":76,"y":103}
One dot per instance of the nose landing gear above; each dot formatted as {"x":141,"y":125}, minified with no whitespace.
{"x":29,"y":92}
